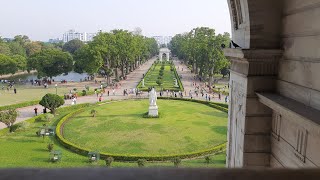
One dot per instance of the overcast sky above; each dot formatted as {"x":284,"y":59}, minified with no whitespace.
{"x":45,"y":19}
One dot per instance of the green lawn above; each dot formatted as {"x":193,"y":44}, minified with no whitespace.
{"x":119,"y":128}
{"x":24,"y":149}
{"x":151,"y":78}
{"x":27,"y":93}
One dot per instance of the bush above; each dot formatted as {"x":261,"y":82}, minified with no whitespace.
{"x":159,"y":82}
{"x":93,"y":112}
{"x":87,"y":87}
{"x":23,"y":125}
{"x":207,"y":159}
{"x":141,"y":162}
{"x":74,"y":89}
{"x":84,"y":93}
{"x":50,"y":147}
{"x":109,"y":160}
{"x":52,"y":102}
{"x":176,"y":161}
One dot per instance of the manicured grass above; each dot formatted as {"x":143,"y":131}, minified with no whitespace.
{"x":119,"y":128}
{"x":27,"y":93}
{"x":151,"y":78}
{"x":24,"y":149}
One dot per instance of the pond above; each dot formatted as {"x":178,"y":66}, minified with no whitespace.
{"x":71,"y":76}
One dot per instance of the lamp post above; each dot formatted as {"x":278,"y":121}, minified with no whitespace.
{"x":56,"y":86}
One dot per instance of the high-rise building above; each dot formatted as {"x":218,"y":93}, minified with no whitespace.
{"x":72,"y":34}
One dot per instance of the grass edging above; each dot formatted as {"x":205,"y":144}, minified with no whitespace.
{"x":127,"y":157}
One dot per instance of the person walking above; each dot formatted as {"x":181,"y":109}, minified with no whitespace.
{"x":36,"y":111}
{"x":15,"y":91}
{"x":108,"y":93}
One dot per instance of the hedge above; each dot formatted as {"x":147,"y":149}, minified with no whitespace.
{"x":128,"y":157}
{"x":219,"y":106}
{"x":178,"y":78}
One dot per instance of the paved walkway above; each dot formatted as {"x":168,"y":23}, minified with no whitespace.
{"x":131,"y":82}
{"x":188,"y":80}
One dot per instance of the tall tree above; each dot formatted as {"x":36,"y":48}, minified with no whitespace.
{"x":51,"y":62}
{"x":72,"y":46}
{"x":7,"y":65}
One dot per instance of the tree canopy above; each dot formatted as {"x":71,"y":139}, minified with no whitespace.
{"x":51,"y":62}
{"x":72,"y":46}
{"x":201,"y":48}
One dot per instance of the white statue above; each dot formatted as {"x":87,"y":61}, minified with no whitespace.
{"x":176,"y":83}
{"x":153,"y":108}
{"x":153,"y":97}
{"x":143,"y":82}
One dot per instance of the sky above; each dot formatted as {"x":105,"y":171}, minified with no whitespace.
{"x":48,"y":19}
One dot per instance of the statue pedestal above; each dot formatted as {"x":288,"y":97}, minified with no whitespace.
{"x":153,"y":111}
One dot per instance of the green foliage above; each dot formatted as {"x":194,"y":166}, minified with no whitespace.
{"x":8,"y":117}
{"x":141,"y":162}
{"x":93,"y":112}
{"x":84,"y":92}
{"x":72,"y":46}
{"x":52,"y":102}
{"x":207,"y":159}
{"x":7,"y":65}
{"x":51,"y":62}
{"x":176,"y":161}
{"x":109,"y":161}
{"x":159,"y":82}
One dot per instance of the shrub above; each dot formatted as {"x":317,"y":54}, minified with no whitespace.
{"x":84,"y":93}
{"x":109,"y":160}
{"x":93,"y":112}
{"x":159,"y":82}
{"x":8,"y":117}
{"x":176,"y":161}
{"x":141,"y":162}
{"x":207,"y":159}
{"x":50,"y":147}
{"x":23,"y":125}
{"x":74,"y":89}
{"x":52,"y":102}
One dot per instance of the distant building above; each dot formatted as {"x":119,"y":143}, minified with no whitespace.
{"x":163,"y":39}
{"x":72,"y":34}
{"x":57,"y":40}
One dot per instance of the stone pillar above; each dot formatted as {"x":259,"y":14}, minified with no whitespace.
{"x":250,"y":121}
{"x":168,"y":57}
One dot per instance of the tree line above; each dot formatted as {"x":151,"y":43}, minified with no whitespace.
{"x":201,"y":49}
{"x":106,"y":54}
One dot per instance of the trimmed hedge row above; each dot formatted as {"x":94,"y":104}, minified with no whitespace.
{"x":219,"y":106}
{"x":128,"y":157}
{"x":140,"y":83}
{"x":178,"y":78}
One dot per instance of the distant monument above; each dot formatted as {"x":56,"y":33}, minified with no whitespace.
{"x":153,"y":108}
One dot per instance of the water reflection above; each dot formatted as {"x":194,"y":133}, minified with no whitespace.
{"x":71,"y":76}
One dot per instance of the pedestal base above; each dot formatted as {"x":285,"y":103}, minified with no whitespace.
{"x":153,"y":111}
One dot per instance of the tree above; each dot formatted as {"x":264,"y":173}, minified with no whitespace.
{"x":87,"y":60}
{"x":17,"y":49}
{"x":7,"y":65}
{"x":52,"y":102}
{"x":21,"y":62}
{"x":8,"y":118}
{"x":5,"y":49}
{"x":72,"y":46}
{"x":33,"y":48}
{"x":50,"y":63}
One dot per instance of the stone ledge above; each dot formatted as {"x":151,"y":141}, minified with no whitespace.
{"x":285,"y":105}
